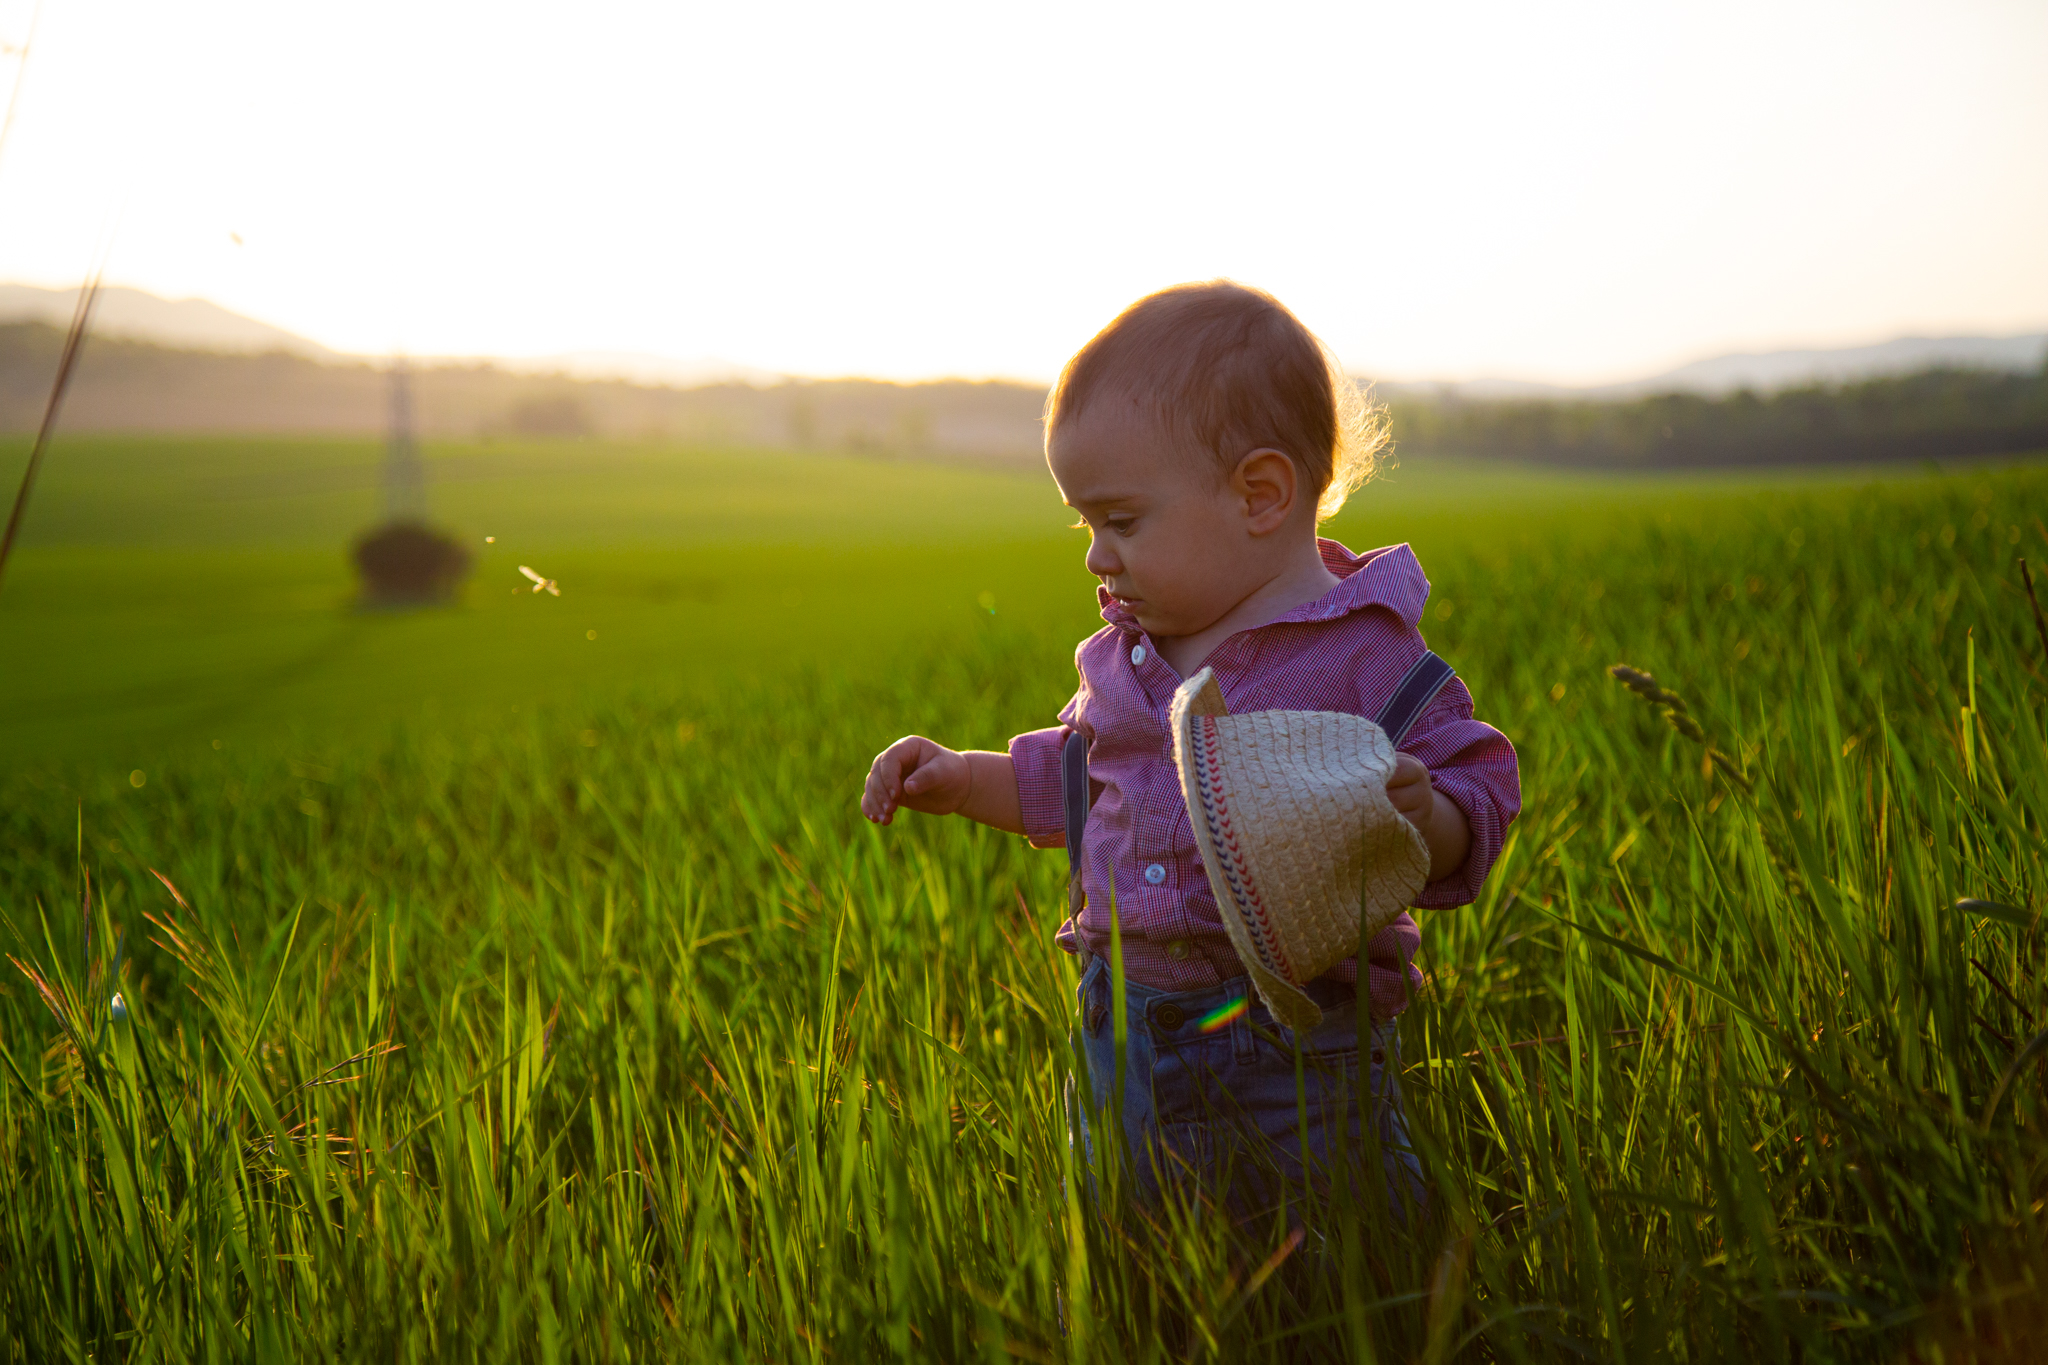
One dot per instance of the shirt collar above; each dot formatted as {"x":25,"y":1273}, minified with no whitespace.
{"x":1389,"y":577}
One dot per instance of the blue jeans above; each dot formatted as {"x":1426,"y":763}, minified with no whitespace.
{"x":1227,"y":1107}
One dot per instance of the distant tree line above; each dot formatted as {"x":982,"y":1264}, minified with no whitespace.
{"x":128,"y":385}
{"x":1943,"y":414}
{"x":125,"y":385}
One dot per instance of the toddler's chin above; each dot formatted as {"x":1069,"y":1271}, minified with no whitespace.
{"x":1157,"y":626}
{"x":1177,"y":622}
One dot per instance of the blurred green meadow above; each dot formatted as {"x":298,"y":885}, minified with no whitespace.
{"x":174,"y":591}
{"x":530,"y":988}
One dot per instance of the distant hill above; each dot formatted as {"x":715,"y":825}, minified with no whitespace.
{"x":192,"y":324}
{"x":1771,"y":371}
{"x":200,"y":325}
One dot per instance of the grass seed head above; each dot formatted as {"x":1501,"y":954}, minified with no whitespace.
{"x":1645,"y":686}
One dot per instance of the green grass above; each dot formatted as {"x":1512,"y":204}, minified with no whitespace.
{"x":694,"y":1064}
{"x":171,"y":592}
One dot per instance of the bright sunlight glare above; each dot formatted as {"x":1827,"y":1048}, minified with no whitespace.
{"x":1572,"y":192}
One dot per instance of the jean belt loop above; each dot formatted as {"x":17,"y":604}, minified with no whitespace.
{"x":1245,"y":1047}
{"x":1095,"y":996}
{"x":1385,"y":1040}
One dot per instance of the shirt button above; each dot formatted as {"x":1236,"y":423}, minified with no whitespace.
{"x":1155,"y":874}
{"x":1137,"y":655}
{"x":1178,"y":950}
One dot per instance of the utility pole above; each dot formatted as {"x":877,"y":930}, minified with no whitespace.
{"x":405,"y":562}
{"x":405,"y":478}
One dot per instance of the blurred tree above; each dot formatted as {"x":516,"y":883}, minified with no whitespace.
{"x":406,"y":562}
{"x":555,"y":414}
{"x":409,"y":564}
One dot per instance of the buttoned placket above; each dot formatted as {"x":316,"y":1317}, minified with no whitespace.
{"x":1221,"y":660}
{"x":1161,"y":806}
{"x":1153,"y":830}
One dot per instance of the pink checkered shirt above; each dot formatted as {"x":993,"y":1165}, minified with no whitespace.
{"x":1344,"y":652}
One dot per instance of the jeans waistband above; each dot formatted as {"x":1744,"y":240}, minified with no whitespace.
{"x":1326,"y":993}
{"x":1175,"y":1018}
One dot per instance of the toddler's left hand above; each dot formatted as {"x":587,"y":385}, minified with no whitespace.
{"x":1436,"y":817}
{"x":1410,"y":791}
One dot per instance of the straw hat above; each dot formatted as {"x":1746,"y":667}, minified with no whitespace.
{"x":1305,"y":852}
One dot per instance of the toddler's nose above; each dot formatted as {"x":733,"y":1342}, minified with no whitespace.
{"x":1101,"y":561}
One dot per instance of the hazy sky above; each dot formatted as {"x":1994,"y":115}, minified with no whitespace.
{"x":1562,"y":191}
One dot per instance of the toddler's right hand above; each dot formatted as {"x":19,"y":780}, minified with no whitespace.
{"x":919,"y":774}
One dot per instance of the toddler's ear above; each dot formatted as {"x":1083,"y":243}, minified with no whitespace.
{"x":1268,"y":486}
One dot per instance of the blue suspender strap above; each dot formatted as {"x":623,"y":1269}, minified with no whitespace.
{"x":1074,"y":796}
{"x":1417,"y":689}
{"x":1074,"y":803}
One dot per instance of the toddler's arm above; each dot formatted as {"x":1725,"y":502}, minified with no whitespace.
{"x":917,"y":774}
{"x":1444,"y":826}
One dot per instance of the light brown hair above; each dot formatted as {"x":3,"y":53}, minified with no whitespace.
{"x":1229,"y":370}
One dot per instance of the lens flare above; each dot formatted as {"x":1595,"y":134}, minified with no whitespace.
{"x":1224,"y":1014}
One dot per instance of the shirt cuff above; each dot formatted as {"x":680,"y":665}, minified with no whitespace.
{"x":1035,"y":756}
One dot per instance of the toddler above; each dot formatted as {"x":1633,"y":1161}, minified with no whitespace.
{"x":1202,"y":437}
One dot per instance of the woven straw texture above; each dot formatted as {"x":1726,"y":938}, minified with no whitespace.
{"x":1305,"y":852}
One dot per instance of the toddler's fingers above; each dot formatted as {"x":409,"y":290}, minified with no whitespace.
{"x":916,"y":766}
{"x":878,"y":797}
{"x":892,"y":774}
{"x":1407,"y":768}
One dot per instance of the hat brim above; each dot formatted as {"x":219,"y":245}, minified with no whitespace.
{"x":1264,"y":962}
{"x":1288,"y":1002}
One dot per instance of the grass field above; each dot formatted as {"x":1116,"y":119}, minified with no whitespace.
{"x":541,"y":996}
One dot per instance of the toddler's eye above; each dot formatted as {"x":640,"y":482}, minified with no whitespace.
{"x":1122,"y":525}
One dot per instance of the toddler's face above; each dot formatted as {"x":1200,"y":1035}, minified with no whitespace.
{"x":1167,"y":533}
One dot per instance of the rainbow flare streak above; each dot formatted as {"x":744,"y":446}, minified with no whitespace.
{"x":1223,"y":1014}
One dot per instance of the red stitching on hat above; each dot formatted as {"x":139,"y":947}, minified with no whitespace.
{"x":1216,"y":810}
